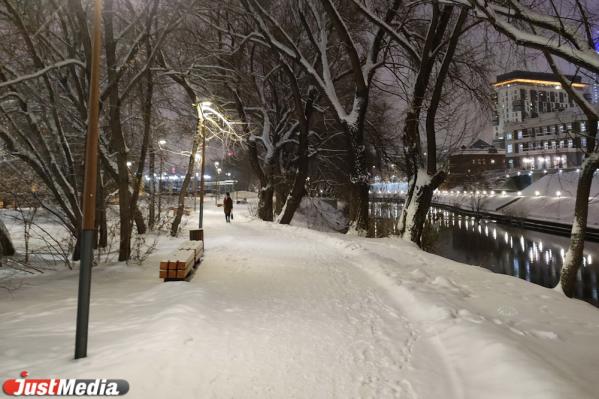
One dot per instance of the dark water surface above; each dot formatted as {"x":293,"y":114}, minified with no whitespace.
{"x":526,"y":254}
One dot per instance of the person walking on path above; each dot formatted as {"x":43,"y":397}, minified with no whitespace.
{"x":228,"y":206}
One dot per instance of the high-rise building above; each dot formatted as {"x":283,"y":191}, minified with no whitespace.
{"x":552,"y":140}
{"x":521,"y":95}
{"x":595,"y":90}
{"x":595,"y":84}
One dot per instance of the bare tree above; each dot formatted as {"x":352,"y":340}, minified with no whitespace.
{"x":565,"y":32}
{"x":429,"y":45}
{"x":306,"y":33}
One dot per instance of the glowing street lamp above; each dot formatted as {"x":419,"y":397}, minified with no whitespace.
{"x":218,"y":171}
{"x":207,"y":113}
{"x":201,"y":108}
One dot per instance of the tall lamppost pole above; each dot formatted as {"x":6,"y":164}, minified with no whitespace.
{"x":218,"y":170}
{"x":202,"y":131}
{"x":161,"y":144}
{"x":203,"y":108}
{"x":89,"y":191}
{"x":195,"y":184}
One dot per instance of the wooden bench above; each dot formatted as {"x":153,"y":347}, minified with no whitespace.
{"x":182,"y":261}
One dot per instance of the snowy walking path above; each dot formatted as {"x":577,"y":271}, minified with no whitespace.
{"x":285,"y":312}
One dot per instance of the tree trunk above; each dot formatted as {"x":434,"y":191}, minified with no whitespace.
{"x":77,"y":249}
{"x":298,"y":189}
{"x":152,"y":210}
{"x":358,"y":176}
{"x":185,"y":185}
{"x":575,"y":251}
{"x":413,"y":216}
{"x":281,"y":192}
{"x":265,"y":202}
{"x":147,"y":127}
{"x":6,"y":246}
{"x":117,"y":137}
{"x":358,"y":207}
{"x":140,"y":222}
{"x":424,"y":176}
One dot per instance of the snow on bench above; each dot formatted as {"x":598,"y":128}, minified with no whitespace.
{"x":182,"y":261}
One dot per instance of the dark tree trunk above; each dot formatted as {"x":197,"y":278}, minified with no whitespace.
{"x":185,"y":185}
{"x":147,"y":125}
{"x":140,"y":222}
{"x":265,"y":200}
{"x":574,"y":255}
{"x":118,"y":142}
{"x":423,"y":170}
{"x":77,"y":249}
{"x":298,"y":188}
{"x":281,"y":191}
{"x":266,"y":191}
{"x":425,"y":184}
{"x":6,"y":246}
{"x":152,"y":166}
{"x":575,"y":252}
{"x":358,"y":176}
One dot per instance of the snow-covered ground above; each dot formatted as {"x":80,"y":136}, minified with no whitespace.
{"x":286,"y":312}
{"x":550,"y":198}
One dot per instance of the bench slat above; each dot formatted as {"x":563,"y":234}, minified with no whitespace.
{"x":182,"y":261}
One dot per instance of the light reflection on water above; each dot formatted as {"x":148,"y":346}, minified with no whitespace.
{"x":529,"y":255}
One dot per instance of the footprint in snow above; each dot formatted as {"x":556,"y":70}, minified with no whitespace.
{"x":544,"y":334}
{"x":469,"y":316}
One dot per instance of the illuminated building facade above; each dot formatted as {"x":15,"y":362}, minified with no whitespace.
{"x":549,"y":141}
{"x":522,"y":95}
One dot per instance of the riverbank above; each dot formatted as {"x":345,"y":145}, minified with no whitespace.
{"x":550,"y":199}
{"x":282,"y":311}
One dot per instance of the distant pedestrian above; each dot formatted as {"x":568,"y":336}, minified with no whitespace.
{"x":228,"y":206}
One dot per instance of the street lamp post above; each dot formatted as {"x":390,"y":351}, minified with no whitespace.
{"x":202,"y":177}
{"x":160,"y":175}
{"x":218,"y":170}
{"x":195,"y":192}
{"x":195,"y":185}
{"x":202,"y":132}
{"x":89,"y":191}
{"x":203,"y":108}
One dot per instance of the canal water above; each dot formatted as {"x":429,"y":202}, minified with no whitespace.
{"x":526,"y":254}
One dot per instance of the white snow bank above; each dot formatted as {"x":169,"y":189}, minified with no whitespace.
{"x":550,"y":198}
{"x":282,"y":311}
{"x":318,"y":214}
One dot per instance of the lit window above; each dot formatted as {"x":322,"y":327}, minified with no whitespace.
{"x":510,"y":149}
